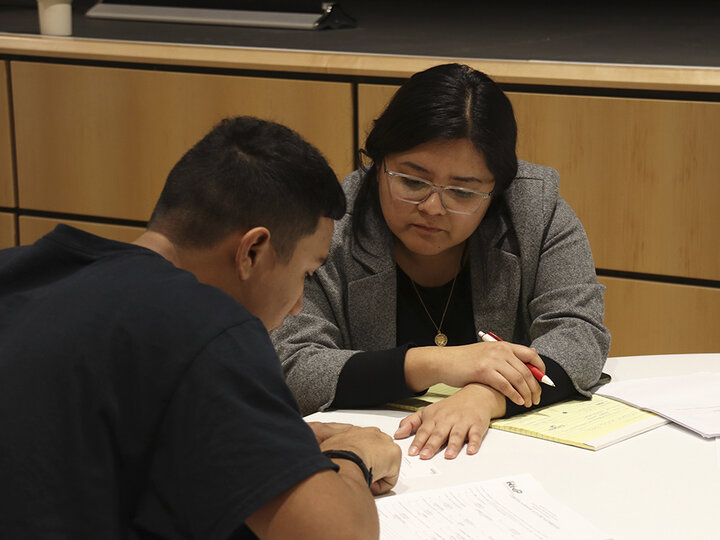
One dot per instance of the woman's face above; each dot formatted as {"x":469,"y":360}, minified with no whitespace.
{"x":428,"y":228}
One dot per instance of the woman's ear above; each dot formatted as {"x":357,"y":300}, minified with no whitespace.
{"x":253,"y":252}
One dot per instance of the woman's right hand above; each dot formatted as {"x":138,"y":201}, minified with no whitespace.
{"x":500,"y":365}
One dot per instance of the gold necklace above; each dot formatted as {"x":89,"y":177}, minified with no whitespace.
{"x":440,"y":339}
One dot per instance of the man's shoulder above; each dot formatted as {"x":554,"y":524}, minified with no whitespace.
{"x":143,"y":282}
{"x":157,"y":284}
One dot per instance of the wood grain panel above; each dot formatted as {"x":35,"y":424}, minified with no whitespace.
{"x":7,"y":184}
{"x":103,"y":141}
{"x":372,"y":100}
{"x":652,"y":77}
{"x":7,"y":230}
{"x":32,"y":228}
{"x":660,"y":318}
{"x":642,"y":176}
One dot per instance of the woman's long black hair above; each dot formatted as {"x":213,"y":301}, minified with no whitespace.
{"x":445,"y":102}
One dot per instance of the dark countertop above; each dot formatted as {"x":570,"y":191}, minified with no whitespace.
{"x":681,"y":34}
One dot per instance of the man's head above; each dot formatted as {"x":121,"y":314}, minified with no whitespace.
{"x":247,"y":173}
{"x":238,"y":204}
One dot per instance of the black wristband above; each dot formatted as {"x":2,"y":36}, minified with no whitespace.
{"x":352,"y":456}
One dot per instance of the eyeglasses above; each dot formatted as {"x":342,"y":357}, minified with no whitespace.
{"x":414,"y":190}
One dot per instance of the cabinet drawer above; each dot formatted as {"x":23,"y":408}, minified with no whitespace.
{"x":640,"y":173}
{"x":7,"y":230}
{"x":660,"y":318}
{"x":7,"y":185}
{"x":32,"y":228}
{"x":102,"y":142}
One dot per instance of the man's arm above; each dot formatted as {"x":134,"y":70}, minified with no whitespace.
{"x":334,"y":505}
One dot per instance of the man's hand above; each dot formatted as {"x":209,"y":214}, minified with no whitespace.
{"x":376,"y":449}
{"x":324,"y":503}
{"x":324,"y":430}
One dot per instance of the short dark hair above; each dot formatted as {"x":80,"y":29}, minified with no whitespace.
{"x":246,"y":173}
{"x":444,"y":102}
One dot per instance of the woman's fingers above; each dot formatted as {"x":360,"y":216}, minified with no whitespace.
{"x":462,"y":417}
{"x":408,"y":425}
{"x":456,"y":440}
{"x":475,"y":436}
{"x":510,"y":383}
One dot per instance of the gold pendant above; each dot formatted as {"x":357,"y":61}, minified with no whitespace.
{"x":441,"y":339}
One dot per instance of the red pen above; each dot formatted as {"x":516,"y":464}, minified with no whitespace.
{"x":539,"y":375}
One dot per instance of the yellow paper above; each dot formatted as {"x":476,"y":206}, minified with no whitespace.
{"x":434,"y":394}
{"x":591,"y":424}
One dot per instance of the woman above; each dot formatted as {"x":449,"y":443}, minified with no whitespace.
{"x":446,"y":235}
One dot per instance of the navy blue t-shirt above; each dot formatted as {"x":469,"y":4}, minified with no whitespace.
{"x":135,"y":402}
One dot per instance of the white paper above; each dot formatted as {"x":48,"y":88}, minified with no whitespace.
{"x":692,"y":401}
{"x":414,"y":467}
{"x":411,"y":466}
{"x":515,"y":507}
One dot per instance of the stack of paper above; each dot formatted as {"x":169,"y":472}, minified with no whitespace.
{"x":592,"y":424}
{"x":511,"y":507}
{"x":692,"y":401}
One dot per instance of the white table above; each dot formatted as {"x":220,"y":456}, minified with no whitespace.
{"x":661,"y":484}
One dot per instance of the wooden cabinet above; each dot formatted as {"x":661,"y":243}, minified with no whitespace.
{"x":103,"y":141}
{"x":7,"y":183}
{"x":7,"y":230}
{"x":32,"y":228}
{"x":642,"y":176}
{"x":372,"y":100}
{"x":640,"y":173}
{"x":646,"y":317}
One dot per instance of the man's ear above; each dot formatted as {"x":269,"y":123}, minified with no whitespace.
{"x":252,"y":251}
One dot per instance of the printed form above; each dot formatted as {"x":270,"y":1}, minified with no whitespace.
{"x":589,"y":423}
{"x":515,"y":507}
{"x":692,"y":401}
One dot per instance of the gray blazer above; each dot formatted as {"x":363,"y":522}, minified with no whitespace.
{"x":542,"y":291}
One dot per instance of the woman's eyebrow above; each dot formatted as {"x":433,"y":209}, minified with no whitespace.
{"x":423,"y":171}
{"x":468,"y":179}
{"x":415,"y":167}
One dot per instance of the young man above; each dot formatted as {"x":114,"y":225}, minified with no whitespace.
{"x":140,"y":396}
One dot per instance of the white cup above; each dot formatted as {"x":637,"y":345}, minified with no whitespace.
{"x":55,"y":17}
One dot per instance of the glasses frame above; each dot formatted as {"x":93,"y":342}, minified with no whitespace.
{"x":434,"y":189}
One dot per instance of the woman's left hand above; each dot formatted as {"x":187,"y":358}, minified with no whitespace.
{"x":464,"y":416}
